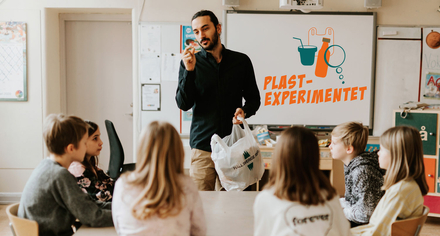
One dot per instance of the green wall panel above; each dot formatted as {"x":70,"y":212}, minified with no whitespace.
{"x":426,"y":123}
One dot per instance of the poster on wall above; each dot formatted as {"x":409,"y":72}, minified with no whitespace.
{"x":430,"y":88}
{"x":187,"y":39}
{"x":150,"y":97}
{"x":13,"y":80}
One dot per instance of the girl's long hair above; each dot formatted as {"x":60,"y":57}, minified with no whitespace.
{"x":406,"y":151}
{"x":91,"y":164}
{"x":160,"y":156}
{"x":295,"y":174}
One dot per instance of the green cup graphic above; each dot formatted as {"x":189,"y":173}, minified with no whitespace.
{"x":307,"y":54}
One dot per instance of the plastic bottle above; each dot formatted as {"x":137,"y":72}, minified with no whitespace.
{"x":321,"y":66}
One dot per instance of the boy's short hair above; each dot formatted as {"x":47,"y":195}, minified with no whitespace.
{"x":59,"y":131}
{"x":352,"y":133}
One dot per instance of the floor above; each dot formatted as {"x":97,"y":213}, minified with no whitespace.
{"x":431,"y":227}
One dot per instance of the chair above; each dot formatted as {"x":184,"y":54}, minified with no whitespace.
{"x":20,"y":226}
{"x":116,"y":165}
{"x":409,"y":227}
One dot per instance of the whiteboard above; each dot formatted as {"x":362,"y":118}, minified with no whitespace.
{"x":397,"y":73}
{"x":291,"y":92}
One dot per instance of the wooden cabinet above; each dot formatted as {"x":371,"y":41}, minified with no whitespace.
{"x":430,"y":173}
{"x":427,"y":122}
{"x":334,"y":168}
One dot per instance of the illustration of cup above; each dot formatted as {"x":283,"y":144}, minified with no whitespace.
{"x":307,"y":54}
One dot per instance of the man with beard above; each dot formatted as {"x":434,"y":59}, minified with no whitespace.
{"x":213,"y":82}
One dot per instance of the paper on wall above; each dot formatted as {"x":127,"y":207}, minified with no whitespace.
{"x":150,"y":39}
{"x":170,"y":66}
{"x":150,"y":68}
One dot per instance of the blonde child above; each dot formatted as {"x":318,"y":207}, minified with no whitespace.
{"x":401,"y":154}
{"x":157,"y":198}
{"x":51,"y":196}
{"x":363,"y":175}
{"x":91,"y":179}
{"x":298,"y":199}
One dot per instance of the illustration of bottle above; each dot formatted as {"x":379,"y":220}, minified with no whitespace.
{"x":321,"y":66}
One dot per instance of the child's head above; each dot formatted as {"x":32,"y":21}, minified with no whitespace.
{"x":401,"y":154}
{"x":160,"y":160}
{"x":295,"y":173}
{"x":94,"y":142}
{"x":348,"y":139}
{"x":60,"y":131}
{"x":94,"y":147}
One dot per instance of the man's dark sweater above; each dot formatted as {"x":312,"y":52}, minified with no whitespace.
{"x":214,"y":91}
{"x":53,"y":199}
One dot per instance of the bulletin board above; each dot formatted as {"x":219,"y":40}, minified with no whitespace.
{"x":160,"y":46}
{"x":298,"y":84}
{"x":13,"y":75}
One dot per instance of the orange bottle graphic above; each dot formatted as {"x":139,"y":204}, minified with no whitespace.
{"x":321,"y":66}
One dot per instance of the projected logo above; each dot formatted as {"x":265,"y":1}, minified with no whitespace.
{"x":313,"y":80}
{"x":327,"y":55}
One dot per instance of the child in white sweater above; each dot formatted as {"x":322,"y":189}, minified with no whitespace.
{"x":298,"y":199}
{"x":157,"y":198}
{"x":401,"y":154}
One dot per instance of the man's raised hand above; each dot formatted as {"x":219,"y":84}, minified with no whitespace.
{"x":189,"y":58}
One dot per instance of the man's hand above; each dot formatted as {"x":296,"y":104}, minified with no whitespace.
{"x":189,"y":58}
{"x":238,"y":112}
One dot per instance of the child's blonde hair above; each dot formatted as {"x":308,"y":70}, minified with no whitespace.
{"x":59,"y":131}
{"x":354,"y":134}
{"x":295,"y":174}
{"x":406,"y":151}
{"x":161,"y":156}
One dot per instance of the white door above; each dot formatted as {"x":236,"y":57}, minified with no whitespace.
{"x":98,"y":66}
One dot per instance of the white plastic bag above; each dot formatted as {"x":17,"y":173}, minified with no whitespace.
{"x":237,"y":158}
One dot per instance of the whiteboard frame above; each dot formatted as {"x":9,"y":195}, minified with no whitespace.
{"x":322,"y":127}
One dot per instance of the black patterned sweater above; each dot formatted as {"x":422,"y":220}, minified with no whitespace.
{"x":363,"y":182}
{"x":100,"y":188}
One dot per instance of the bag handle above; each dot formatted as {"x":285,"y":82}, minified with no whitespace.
{"x":245,"y":124}
{"x":216,"y":139}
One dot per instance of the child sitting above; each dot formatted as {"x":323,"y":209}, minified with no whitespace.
{"x":363,"y":176}
{"x":91,"y":179}
{"x":157,"y":198}
{"x":401,"y":154}
{"x":298,"y":199}
{"x":51,"y":196}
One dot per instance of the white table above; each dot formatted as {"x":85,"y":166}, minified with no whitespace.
{"x":227,"y":213}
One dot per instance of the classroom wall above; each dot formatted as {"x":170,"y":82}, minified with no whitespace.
{"x":392,"y":12}
{"x":21,"y":144}
{"x":21,"y":123}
